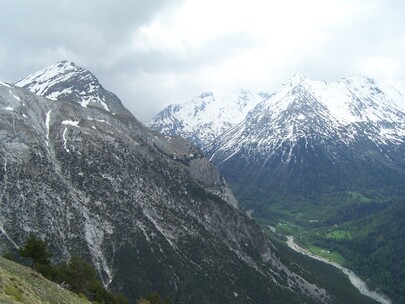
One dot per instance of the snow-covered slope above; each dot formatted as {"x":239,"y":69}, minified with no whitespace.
{"x":65,"y":80}
{"x":353,"y":100}
{"x":330,"y":129}
{"x":205,"y":117}
{"x":344,"y":111}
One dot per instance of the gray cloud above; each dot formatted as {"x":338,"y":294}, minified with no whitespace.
{"x":211,"y":53}
{"x":37,"y":33}
{"x":99,"y":35}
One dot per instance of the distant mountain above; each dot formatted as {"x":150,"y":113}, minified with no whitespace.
{"x":205,"y":117}
{"x":149,"y":211}
{"x":307,"y":137}
{"x":311,"y":136}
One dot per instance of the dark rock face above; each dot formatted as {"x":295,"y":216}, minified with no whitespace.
{"x":149,"y":211}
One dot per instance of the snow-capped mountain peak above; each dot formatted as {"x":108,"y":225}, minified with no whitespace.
{"x":352,"y":109}
{"x":351,"y":100}
{"x":206,"y":116}
{"x":346,"y":111}
{"x":296,"y":79}
{"x":43,"y":80}
{"x":314,"y":132}
{"x":300,"y":107}
{"x":65,"y":80}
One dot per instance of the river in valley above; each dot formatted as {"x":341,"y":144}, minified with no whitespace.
{"x":354,"y":279}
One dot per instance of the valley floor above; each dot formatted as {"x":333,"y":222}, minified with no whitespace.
{"x":354,"y":279}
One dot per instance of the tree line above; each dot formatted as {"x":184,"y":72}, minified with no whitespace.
{"x":77,"y":275}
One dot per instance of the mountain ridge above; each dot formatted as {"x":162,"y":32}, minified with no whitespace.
{"x":205,"y":117}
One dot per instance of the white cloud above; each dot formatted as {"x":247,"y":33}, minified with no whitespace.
{"x":152,"y":53}
{"x":278,"y":25}
{"x":381,"y":67}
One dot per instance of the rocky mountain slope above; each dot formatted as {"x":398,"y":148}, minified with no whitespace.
{"x":149,"y":211}
{"x":205,"y":117}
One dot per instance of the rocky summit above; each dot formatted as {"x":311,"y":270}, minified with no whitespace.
{"x":148,"y":210}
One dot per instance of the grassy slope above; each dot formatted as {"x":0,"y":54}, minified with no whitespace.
{"x":19,"y":284}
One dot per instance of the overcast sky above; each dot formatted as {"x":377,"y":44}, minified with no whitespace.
{"x":152,"y":53}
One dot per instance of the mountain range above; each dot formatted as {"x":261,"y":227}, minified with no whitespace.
{"x":205,"y":117}
{"x":323,"y":161}
{"x":148,"y":210}
{"x":307,"y":137}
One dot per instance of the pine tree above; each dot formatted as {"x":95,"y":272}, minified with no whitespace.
{"x":37,"y":250}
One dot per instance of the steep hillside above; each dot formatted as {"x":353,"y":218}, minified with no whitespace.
{"x":20,"y":284}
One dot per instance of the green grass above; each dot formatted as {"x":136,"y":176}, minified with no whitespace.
{"x":329,"y":255}
{"x":288,"y":228}
{"x":339,"y":235}
{"x":20,"y":284}
{"x":358,"y":197}
{"x":14,"y":293}
{"x":321,"y":274}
